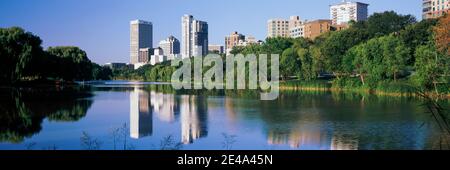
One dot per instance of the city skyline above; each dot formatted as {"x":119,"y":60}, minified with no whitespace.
{"x":104,"y":33}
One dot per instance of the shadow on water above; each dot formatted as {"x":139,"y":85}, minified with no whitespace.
{"x":22,"y":110}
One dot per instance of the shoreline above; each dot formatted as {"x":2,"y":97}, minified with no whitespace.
{"x":282,"y":87}
{"x":360,"y":91}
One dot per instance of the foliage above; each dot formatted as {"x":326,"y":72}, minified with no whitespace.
{"x":72,"y":63}
{"x":442,"y":37}
{"x":432,"y":68}
{"x":18,"y":49}
{"x":380,"y":24}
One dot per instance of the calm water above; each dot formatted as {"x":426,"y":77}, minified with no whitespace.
{"x":121,"y":115}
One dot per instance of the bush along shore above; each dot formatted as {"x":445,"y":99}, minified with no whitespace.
{"x":395,"y":89}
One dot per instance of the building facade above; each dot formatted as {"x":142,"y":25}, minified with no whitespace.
{"x":281,"y":27}
{"x":298,"y":31}
{"x":435,"y":8}
{"x":169,"y":46}
{"x":194,"y":37}
{"x":315,"y":28}
{"x":215,"y":49}
{"x":233,"y":40}
{"x":158,"y":56}
{"x":345,"y":11}
{"x":141,"y":36}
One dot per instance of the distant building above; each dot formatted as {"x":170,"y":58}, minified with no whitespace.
{"x":250,"y":39}
{"x":144,"y":55}
{"x":294,"y":21}
{"x":435,"y":8}
{"x":216,"y":49}
{"x":115,"y":66}
{"x":237,"y":39}
{"x":339,"y":27}
{"x":315,"y":28}
{"x":141,"y":36}
{"x":298,"y":31}
{"x":233,"y":40}
{"x":194,"y":37}
{"x":157,"y":57}
{"x":345,"y":11}
{"x":169,"y":46}
{"x":281,"y":27}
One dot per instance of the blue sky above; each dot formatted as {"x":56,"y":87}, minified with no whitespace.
{"x":101,"y":27}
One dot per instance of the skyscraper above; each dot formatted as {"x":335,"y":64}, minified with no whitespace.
{"x":345,"y":11}
{"x":435,"y":8}
{"x":194,"y":37}
{"x":141,"y":36}
{"x":169,"y":46}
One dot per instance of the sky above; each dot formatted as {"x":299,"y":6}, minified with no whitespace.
{"x":101,"y":27}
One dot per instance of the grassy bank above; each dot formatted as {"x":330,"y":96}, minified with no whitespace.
{"x":384,"y":88}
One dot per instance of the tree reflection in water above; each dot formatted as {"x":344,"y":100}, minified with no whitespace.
{"x":22,"y":110}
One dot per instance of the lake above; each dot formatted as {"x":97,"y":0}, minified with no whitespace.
{"x":147,"y":116}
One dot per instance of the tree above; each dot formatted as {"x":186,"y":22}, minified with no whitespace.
{"x":380,"y":24}
{"x":276,"y":45}
{"x":354,"y":60}
{"x":336,"y":45}
{"x":431,"y":68}
{"x":417,"y":34}
{"x":378,"y":59}
{"x":101,"y":72}
{"x":442,"y":35}
{"x":306,"y":72}
{"x":318,"y":61}
{"x":395,"y":55}
{"x":289,"y":63}
{"x":72,"y":62}
{"x":17,"y":51}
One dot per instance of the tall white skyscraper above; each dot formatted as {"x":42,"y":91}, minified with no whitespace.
{"x":141,"y":36}
{"x":194,"y":37}
{"x":345,"y":11}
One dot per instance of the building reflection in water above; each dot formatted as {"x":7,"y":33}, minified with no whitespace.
{"x":141,"y":120}
{"x":304,"y":137}
{"x":165,"y":106}
{"x":193,"y":118}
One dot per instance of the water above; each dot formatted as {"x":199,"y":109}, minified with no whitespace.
{"x":146,"y":116}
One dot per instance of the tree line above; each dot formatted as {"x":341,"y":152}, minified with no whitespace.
{"x":387,"y":51}
{"x":23,"y":59}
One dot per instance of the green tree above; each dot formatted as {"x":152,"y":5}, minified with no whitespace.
{"x":289,"y":63}
{"x":417,"y":34}
{"x":306,"y":60}
{"x":101,"y":72}
{"x":17,"y":51}
{"x":380,"y":24}
{"x":378,"y":59}
{"x":276,"y":45}
{"x":336,"y":45}
{"x":73,"y":63}
{"x":431,"y":68}
{"x":395,"y":55}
